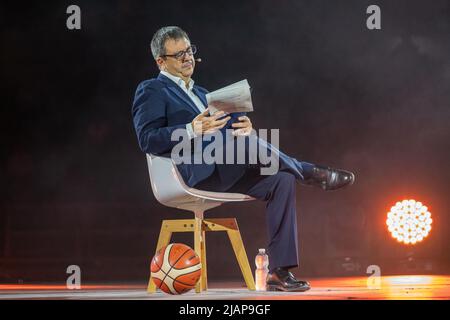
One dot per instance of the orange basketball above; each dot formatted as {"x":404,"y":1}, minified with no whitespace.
{"x":175,"y":268}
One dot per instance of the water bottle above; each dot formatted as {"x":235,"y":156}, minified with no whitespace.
{"x":262,"y":263}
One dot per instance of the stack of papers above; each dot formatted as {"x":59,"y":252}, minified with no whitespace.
{"x":233,"y":98}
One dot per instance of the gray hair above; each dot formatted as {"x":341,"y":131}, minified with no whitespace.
{"x":162,"y":35}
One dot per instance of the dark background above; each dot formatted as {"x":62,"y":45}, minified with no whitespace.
{"x":75,"y":187}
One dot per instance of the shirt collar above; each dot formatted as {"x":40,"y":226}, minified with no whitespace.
{"x":178,"y":80}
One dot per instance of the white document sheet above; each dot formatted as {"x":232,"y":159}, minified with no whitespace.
{"x":233,"y":98}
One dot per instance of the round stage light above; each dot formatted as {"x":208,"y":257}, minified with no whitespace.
{"x":409,"y":221}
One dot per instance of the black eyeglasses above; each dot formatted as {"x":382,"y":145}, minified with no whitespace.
{"x":180,"y":54}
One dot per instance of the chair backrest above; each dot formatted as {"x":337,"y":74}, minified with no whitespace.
{"x":167,"y":185}
{"x":170,"y":190}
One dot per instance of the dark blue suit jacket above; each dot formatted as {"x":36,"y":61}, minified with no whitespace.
{"x":160,"y":106}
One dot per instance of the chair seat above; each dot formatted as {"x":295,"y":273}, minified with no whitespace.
{"x":218,"y":196}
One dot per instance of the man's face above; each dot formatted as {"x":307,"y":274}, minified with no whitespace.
{"x":183,"y":67}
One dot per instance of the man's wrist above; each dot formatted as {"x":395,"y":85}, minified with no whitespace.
{"x":190,"y":131}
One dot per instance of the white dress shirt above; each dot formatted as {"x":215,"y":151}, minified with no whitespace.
{"x":196,"y":100}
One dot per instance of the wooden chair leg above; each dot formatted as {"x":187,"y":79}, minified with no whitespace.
{"x":241,"y":256}
{"x":164,"y":238}
{"x":203,"y":259}
{"x":198,"y":248}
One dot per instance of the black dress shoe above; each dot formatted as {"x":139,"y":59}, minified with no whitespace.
{"x":330,"y":179}
{"x":283,"y":280}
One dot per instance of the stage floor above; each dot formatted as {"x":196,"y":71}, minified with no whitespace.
{"x":344,"y":288}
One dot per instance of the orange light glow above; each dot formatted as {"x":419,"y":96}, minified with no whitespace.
{"x":409,"y":221}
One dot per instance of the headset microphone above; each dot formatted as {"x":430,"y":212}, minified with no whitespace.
{"x":198,"y":60}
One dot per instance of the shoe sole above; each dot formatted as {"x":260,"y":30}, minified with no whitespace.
{"x":280,"y":288}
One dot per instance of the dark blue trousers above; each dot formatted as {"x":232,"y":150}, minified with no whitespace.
{"x":279,"y":191}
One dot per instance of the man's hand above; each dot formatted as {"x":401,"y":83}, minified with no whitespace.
{"x":204,"y":124}
{"x":244,"y":126}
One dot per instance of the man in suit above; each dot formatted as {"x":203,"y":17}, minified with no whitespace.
{"x":172,"y":102}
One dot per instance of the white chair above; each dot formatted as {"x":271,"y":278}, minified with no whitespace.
{"x":170,"y":190}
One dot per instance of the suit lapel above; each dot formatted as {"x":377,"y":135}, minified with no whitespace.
{"x":201,"y":96}
{"x":174,"y":88}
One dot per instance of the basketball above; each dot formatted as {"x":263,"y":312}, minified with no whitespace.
{"x":175,"y":268}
